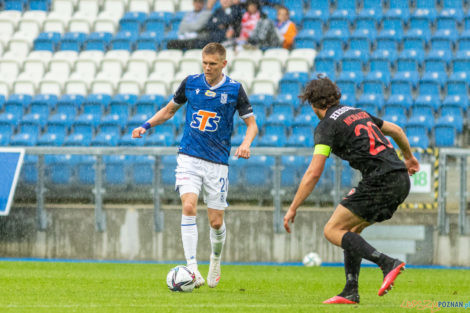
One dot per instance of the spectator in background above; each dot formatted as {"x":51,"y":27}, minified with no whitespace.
{"x":222,"y":25}
{"x":249,"y":21}
{"x":192,"y":23}
{"x":265,"y":34}
{"x":285,"y":27}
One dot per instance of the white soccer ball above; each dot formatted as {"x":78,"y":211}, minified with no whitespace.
{"x":181,"y":278}
{"x":311,"y":259}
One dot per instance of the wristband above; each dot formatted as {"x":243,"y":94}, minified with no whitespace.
{"x":146,"y":125}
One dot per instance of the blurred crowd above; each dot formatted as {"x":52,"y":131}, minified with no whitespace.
{"x":236,"y":24}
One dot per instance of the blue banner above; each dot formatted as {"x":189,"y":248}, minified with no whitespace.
{"x":10,"y":166}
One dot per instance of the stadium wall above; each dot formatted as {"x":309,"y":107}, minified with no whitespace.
{"x":130,"y":235}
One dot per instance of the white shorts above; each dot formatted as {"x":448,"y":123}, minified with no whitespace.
{"x":193,"y":173}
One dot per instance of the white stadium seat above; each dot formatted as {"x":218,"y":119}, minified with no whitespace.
{"x":139,"y":6}
{"x":25,"y":83}
{"x":242,"y":78}
{"x":297,"y":64}
{"x":164,"y":67}
{"x":89,"y":7}
{"x":270,"y":65}
{"x":5,"y":87}
{"x":106,"y":22}
{"x":76,"y":84}
{"x":63,"y":7}
{"x":190,"y":66}
{"x":186,"y":5}
{"x":51,"y":84}
{"x":9,"y":69}
{"x":55,"y":22}
{"x":130,"y":83}
{"x":7,"y":29}
{"x":254,"y":54}
{"x":20,"y":44}
{"x":104,"y":83}
{"x":244,"y":65}
{"x":80,"y":22}
{"x":62,"y":62}
{"x":114,"y":7}
{"x":305,"y":53}
{"x":164,"y":6}
{"x":156,"y":84}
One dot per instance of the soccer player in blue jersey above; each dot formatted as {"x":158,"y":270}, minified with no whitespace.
{"x":212,"y":100}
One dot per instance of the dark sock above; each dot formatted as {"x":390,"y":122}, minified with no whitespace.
{"x":352,"y":266}
{"x":357,"y":245}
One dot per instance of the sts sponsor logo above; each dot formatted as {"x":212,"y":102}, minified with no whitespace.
{"x":205,"y":121}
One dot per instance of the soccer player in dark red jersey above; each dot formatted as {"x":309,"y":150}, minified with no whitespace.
{"x":359,"y":138}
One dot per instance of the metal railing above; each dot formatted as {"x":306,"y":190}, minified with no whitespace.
{"x":461,"y":158}
{"x":157,"y":152}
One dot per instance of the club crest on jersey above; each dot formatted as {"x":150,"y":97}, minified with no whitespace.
{"x":197,"y":91}
{"x":223,"y":98}
{"x":210,"y":93}
{"x":205,"y":121}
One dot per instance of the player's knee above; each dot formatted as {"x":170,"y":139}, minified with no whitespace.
{"x":189,"y":209}
{"x":216,"y":223}
{"x":328,"y":231}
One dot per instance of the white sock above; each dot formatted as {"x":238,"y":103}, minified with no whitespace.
{"x":189,"y":237}
{"x":217,"y":240}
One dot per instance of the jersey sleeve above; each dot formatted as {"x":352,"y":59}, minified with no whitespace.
{"x":180,"y":94}
{"x":243,"y":104}
{"x":324,"y":137}
{"x":379,"y":122}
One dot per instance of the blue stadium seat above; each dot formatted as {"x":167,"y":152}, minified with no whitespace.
{"x":132,"y":22}
{"x":143,"y":169}
{"x":393,"y":22}
{"x":258,"y":171}
{"x":455,"y":121}
{"x":361,"y":39}
{"x":85,"y":124}
{"x":454,"y":104}
{"x":77,"y":139}
{"x":463,"y":40}
{"x":420,"y":119}
{"x":378,"y":63}
{"x":457,"y":84}
{"x":105,"y":139}
{"x":112,"y":124}
{"x":373,"y":4}
{"x":388,"y":39}
{"x":40,"y":5}
{"x":347,"y":82}
{"x":98,"y":41}
{"x":158,"y":138}
{"x":136,"y":120}
{"x":127,"y":140}
{"x":115,"y":172}
{"x":444,"y":135}
{"x":293,"y":168}
{"x":400,"y":101}
{"x":29,"y":172}
{"x":39,"y":109}
{"x":168,"y":169}
{"x":408,"y":61}
{"x":426,"y":104}
{"x":148,"y":40}
{"x":348,"y":99}
{"x":324,"y":63}
{"x":425,"y":4}
{"x":437,"y":61}
{"x":103,"y":100}
{"x":272,"y":140}
{"x":340,"y":19}
{"x":303,"y":119}
{"x":24,"y":139}
{"x":59,"y":169}
{"x":396,"y":118}
{"x":287,"y":100}
{"x":394,"y":109}
{"x":300,"y":140}
{"x":48,"y":100}
{"x":124,"y":40}
{"x":60,"y":123}
{"x":368,"y":19}
{"x":376,"y":82}
{"x":335,"y":39}
{"x":431,"y":83}
{"x":176,"y":19}
{"x":15,"y":5}
{"x":72,"y":41}
{"x":48,"y":41}
{"x":399,"y":4}
{"x":261,"y":99}
{"x":313,"y":19}
{"x":170,"y":35}
{"x":320,"y":5}
{"x":51,"y":139}
{"x":352,"y":61}
{"x":86,"y":169}
{"x":149,"y":104}
{"x":69,"y":104}
{"x":452,"y":4}
{"x":449,"y":19}
{"x":397,"y":12}
{"x":416,"y":39}
{"x":307,"y":38}
{"x":461,"y":62}
{"x":404,"y":83}
{"x":20,"y":100}
{"x":32,"y":123}
{"x":156,"y":22}
{"x":443,"y":39}
{"x":372,"y":103}
{"x":417,"y":137}
{"x":291,"y":83}
{"x":7,"y":127}
{"x":423,"y":18}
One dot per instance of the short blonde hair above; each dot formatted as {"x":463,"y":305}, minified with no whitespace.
{"x":215,"y":48}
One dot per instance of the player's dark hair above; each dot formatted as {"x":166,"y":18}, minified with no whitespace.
{"x":321,"y":93}
{"x":215,"y":48}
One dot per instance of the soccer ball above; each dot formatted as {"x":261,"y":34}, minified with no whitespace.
{"x":311,"y":259}
{"x":181,"y":278}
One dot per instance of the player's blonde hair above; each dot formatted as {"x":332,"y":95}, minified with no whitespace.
{"x":215,"y":48}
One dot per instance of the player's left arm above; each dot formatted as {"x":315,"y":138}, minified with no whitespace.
{"x":243,"y":151}
{"x":307,"y":185}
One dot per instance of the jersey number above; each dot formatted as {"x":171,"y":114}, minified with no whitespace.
{"x":374,"y":138}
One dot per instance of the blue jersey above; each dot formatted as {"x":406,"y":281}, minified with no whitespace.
{"x":209,"y":116}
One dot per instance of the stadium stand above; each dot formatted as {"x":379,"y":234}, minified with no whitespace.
{"x":87,"y":72}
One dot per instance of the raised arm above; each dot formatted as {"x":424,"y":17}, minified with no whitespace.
{"x":163,"y":115}
{"x":398,"y":135}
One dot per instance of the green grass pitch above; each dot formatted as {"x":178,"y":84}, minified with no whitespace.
{"x":119,"y":287}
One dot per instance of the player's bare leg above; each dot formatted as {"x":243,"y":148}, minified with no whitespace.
{"x":217,"y":237}
{"x":340,"y":231}
{"x":189,"y":234}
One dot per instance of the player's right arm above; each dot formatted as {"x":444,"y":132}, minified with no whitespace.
{"x":163,"y":115}
{"x":398,"y":135}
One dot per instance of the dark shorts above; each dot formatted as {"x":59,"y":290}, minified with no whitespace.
{"x":376,"y":199}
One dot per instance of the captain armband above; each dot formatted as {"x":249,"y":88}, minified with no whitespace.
{"x":323,"y":150}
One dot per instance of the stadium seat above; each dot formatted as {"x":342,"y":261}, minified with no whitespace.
{"x":445,"y":135}
{"x":77,"y":139}
{"x":351,"y":62}
{"x":340,"y":19}
{"x":347,"y":82}
{"x":258,"y":171}
{"x":388,"y":39}
{"x":456,"y":121}
{"x":307,"y":38}
{"x":416,"y":39}
{"x":143,"y":170}
{"x":51,"y":139}
{"x":335,"y":39}
{"x":98,"y":41}
{"x":86,"y":169}
{"x":313,"y":19}
{"x":59,"y":123}
{"x":426,"y":104}
{"x":148,"y":40}
{"x":168,"y":170}
{"x":48,"y":41}
{"x":132,"y":22}
{"x":72,"y":41}
{"x":372,"y":103}
{"x":325,"y":64}
{"x":24,"y":139}
{"x":437,"y":61}
{"x":361,"y":39}
{"x":457,"y":84}
{"x":124,"y":40}
{"x":59,"y":169}
{"x":443,"y":39}
{"x":431,"y":83}
{"x":105,"y":139}
{"x":454,"y":105}
{"x":368,"y":18}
